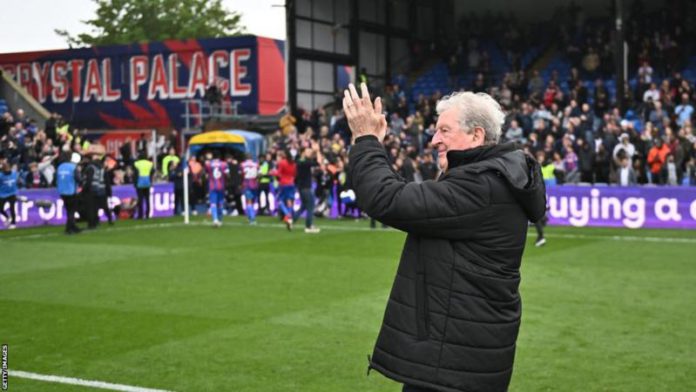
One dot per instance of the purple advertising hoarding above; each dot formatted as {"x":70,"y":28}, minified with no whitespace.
{"x":579,"y":206}
{"x":630,"y":207}
{"x":29,"y":214}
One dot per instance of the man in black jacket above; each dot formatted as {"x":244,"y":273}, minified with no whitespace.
{"x":309,"y":159}
{"x":454,"y":311}
{"x":105,"y":191}
{"x":92,"y":188}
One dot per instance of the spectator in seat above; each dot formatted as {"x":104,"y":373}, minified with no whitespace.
{"x":427,"y":166}
{"x":645,"y":73}
{"x":601,"y":98}
{"x":626,"y":145}
{"x":34,"y":179}
{"x":586,"y":161}
{"x":684,"y":111}
{"x":657,"y":158}
{"x":515,"y":133}
{"x":626,"y":175}
{"x":657,"y":117}
{"x":652,"y":94}
{"x":536,"y":84}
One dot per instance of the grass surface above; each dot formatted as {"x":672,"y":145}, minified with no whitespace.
{"x":192,"y":308}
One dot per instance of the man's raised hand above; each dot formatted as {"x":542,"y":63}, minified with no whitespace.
{"x":364,"y":118}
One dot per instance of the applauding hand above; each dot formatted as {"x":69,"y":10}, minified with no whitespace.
{"x":364,"y":118}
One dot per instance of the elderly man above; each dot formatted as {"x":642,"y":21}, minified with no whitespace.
{"x":626,"y":145}
{"x":453,"y":314}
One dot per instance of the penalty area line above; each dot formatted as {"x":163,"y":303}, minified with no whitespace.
{"x":83,"y":383}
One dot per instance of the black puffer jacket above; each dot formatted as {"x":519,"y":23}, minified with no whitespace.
{"x":453,"y":314}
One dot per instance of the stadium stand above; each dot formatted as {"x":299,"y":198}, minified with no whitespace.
{"x":558,"y":91}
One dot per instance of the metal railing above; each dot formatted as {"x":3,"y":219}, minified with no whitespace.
{"x":198,"y":111}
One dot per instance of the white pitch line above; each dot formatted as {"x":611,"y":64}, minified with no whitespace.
{"x":344,"y":228}
{"x":625,"y":238}
{"x":30,"y":236}
{"x":81,"y":382}
{"x":556,"y":235}
{"x":109,"y":229}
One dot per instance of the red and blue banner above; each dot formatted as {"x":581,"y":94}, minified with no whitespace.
{"x":144,"y":85}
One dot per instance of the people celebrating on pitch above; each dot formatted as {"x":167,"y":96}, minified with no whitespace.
{"x":286,"y":172}
{"x":250,"y":184}
{"x":309,"y":159}
{"x":217,"y":171}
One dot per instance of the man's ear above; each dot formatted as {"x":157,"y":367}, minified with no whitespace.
{"x":479,"y":134}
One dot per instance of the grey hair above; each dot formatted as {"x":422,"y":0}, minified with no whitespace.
{"x":475,"y":110}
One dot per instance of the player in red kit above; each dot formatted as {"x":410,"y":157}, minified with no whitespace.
{"x":286,"y":171}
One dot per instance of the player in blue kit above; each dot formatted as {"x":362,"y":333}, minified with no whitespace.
{"x":216,"y":170}
{"x":250,"y":171}
{"x":8,"y":193}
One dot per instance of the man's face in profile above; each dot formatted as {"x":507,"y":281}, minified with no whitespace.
{"x":450,"y":136}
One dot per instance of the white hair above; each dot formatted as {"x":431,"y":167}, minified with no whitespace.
{"x":475,"y":110}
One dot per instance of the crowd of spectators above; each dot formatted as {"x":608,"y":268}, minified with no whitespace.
{"x":34,"y":151}
{"x":30,"y":149}
{"x":580,"y":132}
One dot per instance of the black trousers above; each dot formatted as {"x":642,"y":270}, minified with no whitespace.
{"x":196,"y":194}
{"x":12,"y":200}
{"x":373,"y":223}
{"x":238,"y":205}
{"x":70,"y":203}
{"x":89,"y":201}
{"x":587,"y":176}
{"x":264,"y":188}
{"x":143,"y":197}
{"x":103,"y":203}
{"x":178,"y":200}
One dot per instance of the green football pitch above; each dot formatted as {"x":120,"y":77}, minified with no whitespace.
{"x":192,"y":308}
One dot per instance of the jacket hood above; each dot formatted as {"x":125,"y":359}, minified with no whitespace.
{"x":521,"y":172}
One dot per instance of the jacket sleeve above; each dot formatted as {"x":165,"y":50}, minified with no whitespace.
{"x":78,"y":176}
{"x":452,"y":207}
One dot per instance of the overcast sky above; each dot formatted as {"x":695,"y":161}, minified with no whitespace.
{"x":27,"y":25}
